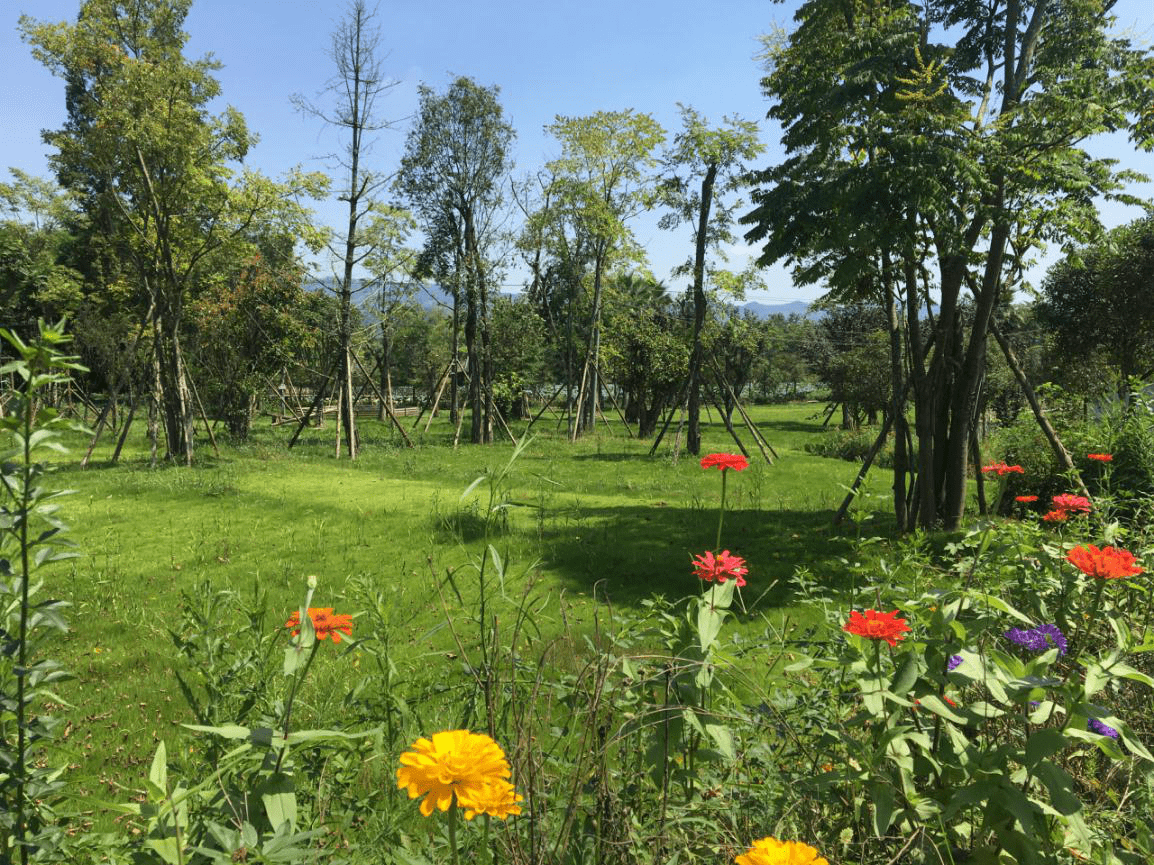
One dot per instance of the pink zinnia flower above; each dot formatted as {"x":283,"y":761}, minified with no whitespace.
{"x":720,"y":567}
{"x":1072,"y":504}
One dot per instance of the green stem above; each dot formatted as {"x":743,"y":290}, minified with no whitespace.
{"x":288,"y":709}
{"x":453,"y":830}
{"x":721,"y":512}
{"x":22,"y":659}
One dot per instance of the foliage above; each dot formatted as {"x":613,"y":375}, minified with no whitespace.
{"x":160,"y":186}
{"x":246,"y":329}
{"x":645,"y":350}
{"x":31,"y":538}
{"x":927,"y":152}
{"x":1097,"y":298}
{"x":35,"y":281}
{"x":712,"y":154}
{"x":456,"y":159}
{"x":598,"y":183}
{"x":518,"y":354}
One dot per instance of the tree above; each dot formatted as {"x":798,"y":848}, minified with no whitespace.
{"x":646,"y":352}
{"x":456,"y":159}
{"x":1099,"y":299}
{"x":597,"y":184}
{"x":848,"y":354}
{"x":35,"y":283}
{"x":246,"y":328}
{"x":930,"y":148}
{"x":518,"y":353}
{"x":354,"y":90}
{"x":718,"y":157}
{"x":390,"y":263}
{"x":150,"y":166}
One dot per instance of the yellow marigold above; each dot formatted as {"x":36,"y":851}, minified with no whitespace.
{"x":452,"y":762}
{"x":770,"y":851}
{"x":497,"y":799}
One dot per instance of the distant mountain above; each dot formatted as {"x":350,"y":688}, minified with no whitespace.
{"x":765,"y":310}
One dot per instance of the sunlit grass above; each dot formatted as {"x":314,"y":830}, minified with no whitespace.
{"x":591,"y":523}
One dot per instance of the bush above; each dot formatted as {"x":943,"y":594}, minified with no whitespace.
{"x":853,"y":446}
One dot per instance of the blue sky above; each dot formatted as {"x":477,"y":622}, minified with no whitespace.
{"x":548,"y":58}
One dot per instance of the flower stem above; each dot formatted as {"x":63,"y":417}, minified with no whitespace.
{"x":453,"y":830}
{"x":721,"y":511}
{"x":288,"y":709}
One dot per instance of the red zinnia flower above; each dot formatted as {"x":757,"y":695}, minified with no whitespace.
{"x":1107,"y":563}
{"x":724,"y":461}
{"x":1025,"y":499}
{"x":1003,"y":469}
{"x":1102,"y":458}
{"x":875,"y":625}
{"x":325,"y":623}
{"x":1056,"y":516}
{"x":721,"y":567}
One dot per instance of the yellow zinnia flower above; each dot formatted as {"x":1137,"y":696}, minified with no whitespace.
{"x":770,"y":851}
{"x":454,"y":762}
{"x":497,"y":799}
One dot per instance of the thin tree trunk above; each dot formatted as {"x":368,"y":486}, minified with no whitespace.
{"x":696,"y":357}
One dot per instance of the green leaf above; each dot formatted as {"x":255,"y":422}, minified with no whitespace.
{"x":907,"y":675}
{"x":1060,"y":786}
{"x":1043,"y":743}
{"x":723,"y":739}
{"x":709,"y":621}
{"x":166,"y":848}
{"x":472,"y":487}
{"x":882,"y":796}
{"x":158,"y":773}
{"x":227,"y":731}
{"x":940,"y":707}
{"x":280,"y":802}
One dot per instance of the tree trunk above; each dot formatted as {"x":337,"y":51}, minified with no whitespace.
{"x":696,"y":357}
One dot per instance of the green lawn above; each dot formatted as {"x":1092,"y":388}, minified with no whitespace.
{"x":599,"y":519}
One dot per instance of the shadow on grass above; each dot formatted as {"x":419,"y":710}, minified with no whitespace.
{"x":632,"y":553}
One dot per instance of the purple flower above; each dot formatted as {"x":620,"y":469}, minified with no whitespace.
{"x":1096,"y":726}
{"x":1038,"y":639}
{"x":953,"y":663}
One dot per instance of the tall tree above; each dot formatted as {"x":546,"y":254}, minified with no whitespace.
{"x":645,"y":348}
{"x":1099,"y":299}
{"x":599,"y":182}
{"x":456,"y":160}
{"x":35,"y":281}
{"x":152,"y":168}
{"x":352,"y":93}
{"x":929,"y":148}
{"x":717,"y":156}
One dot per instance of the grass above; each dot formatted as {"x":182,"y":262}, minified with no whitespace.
{"x":593,"y":522}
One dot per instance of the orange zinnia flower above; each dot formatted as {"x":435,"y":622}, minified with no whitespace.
{"x":724,"y":461}
{"x":1107,"y":563}
{"x":875,"y":625}
{"x":1101,"y":458}
{"x":1025,"y":499}
{"x":326,"y":623}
